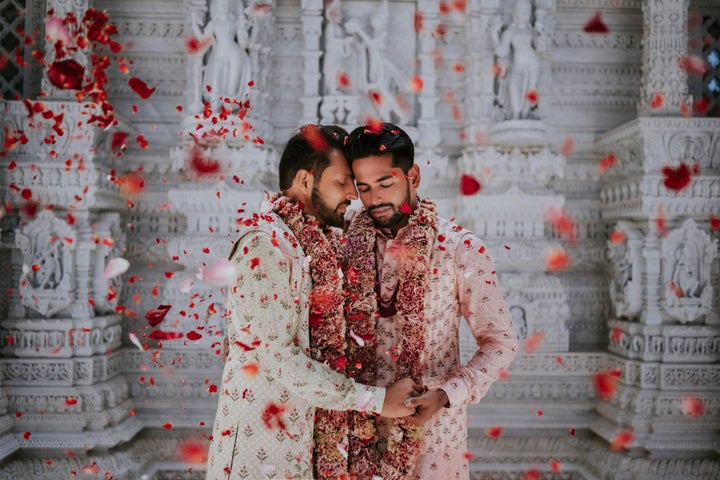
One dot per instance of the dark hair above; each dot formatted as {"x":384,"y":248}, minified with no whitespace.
{"x":389,"y":138}
{"x":309,"y":149}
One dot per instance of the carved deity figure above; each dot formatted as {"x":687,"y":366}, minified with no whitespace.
{"x":685,"y":275}
{"x":338,"y":49}
{"x":47,"y":261}
{"x":518,"y":62}
{"x":379,"y":76}
{"x":228,"y":68}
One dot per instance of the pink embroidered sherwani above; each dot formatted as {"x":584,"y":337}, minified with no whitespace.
{"x":268,"y":327}
{"x":462,"y":283}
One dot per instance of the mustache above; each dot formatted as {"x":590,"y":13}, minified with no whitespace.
{"x":382,"y":205}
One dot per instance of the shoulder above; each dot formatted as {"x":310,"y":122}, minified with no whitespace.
{"x":268,"y":230}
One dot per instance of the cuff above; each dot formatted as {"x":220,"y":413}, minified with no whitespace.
{"x":376,"y":396}
{"x":454,"y":392}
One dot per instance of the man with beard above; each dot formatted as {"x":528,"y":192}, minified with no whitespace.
{"x":286,"y":327}
{"x":412,"y":276}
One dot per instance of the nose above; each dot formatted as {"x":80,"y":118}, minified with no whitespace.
{"x":351,"y":192}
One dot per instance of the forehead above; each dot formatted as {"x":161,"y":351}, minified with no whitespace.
{"x":338,"y":162}
{"x":372,"y":167}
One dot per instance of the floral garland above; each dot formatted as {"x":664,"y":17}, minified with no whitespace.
{"x":405,"y":440}
{"x":327,"y":327}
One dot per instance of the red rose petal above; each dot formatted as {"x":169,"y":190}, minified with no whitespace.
{"x":606,"y":384}
{"x":493,"y":432}
{"x":272,"y":416}
{"x":657,"y":100}
{"x":469,"y":185}
{"x":714,"y":223}
{"x":622,"y":439}
{"x":66,"y":74}
{"x":163,"y":335}
{"x":192,"y":450}
{"x":618,"y":237}
{"x":608,"y":161}
{"x":193,"y":335}
{"x":596,"y":25}
{"x":119,"y":142}
{"x":692,"y":407}
{"x":314,"y":138}
{"x":533,"y":341}
{"x":140,"y":87}
{"x":156,"y":315}
{"x":557,"y":259}
{"x":405,"y":208}
{"x":168,"y":426}
{"x":678,"y":178}
{"x":251,"y":369}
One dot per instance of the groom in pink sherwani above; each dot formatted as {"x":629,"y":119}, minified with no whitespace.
{"x":452,"y":273}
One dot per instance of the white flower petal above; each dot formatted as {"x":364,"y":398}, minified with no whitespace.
{"x":359,"y":340}
{"x":115,"y":266}
{"x":135,"y":341}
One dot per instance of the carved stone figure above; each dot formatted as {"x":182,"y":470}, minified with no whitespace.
{"x":228,"y":68}
{"x":687,"y":255}
{"x":626,"y":285}
{"x":338,"y":49}
{"x":517,"y":62}
{"x":379,"y":76}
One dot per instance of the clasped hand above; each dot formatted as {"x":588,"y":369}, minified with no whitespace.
{"x":405,"y":398}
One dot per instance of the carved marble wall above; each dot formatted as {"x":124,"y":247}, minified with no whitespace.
{"x":527,"y":108}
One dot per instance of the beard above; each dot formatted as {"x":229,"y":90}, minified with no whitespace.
{"x":397,"y":216}
{"x":327,"y":215}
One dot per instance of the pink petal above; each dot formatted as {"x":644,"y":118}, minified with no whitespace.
{"x":222,"y":273}
{"x":186,"y":285}
{"x":133,"y":338}
{"x":115,"y":266}
{"x":56,"y":31}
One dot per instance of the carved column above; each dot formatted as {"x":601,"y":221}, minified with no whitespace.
{"x":312,"y":30}
{"x":664,"y":329}
{"x":664,"y":84}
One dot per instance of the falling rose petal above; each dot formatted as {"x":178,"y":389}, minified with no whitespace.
{"x":314,"y":138}
{"x":131,"y":184}
{"x":563,"y":224}
{"x":343,"y":79}
{"x":195,"y":46}
{"x":660,"y":222}
{"x":469,"y":185}
{"x":493,"y":432}
{"x":557,"y":259}
{"x":70,"y":401}
{"x":199,"y":165}
{"x":568,"y":146}
{"x":29,"y":210}
{"x":26,"y":435}
{"x":608,"y":161}
{"x":118,"y":144}
{"x":685,"y":109}
{"x":714,"y":223}
{"x":115,"y":266}
{"x":533,"y":341}
{"x":622,"y":439}
{"x":678,"y":178}
{"x":532,"y":474}
{"x":343,"y":450}
{"x":415,"y":84}
{"x":192,"y":335}
{"x":555,"y":466}
{"x":618,"y":237}
{"x":405,"y":208}
{"x":155,"y":316}
{"x":66,"y":74}
{"x":468,"y":456}
{"x":168,"y":426}
{"x":657,"y":100}
{"x":363,"y":401}
{"x":222,"y":273}
{"x":692,"y":407}
{"x":419,"y":16}
{"x":251,"y":369}
{"x":192,"y":450}
{"x":606,"y":384}
{"x":133,"y":338}
{"x":596,"y":25}
{"x":692,"y":64}
{"x":56,"y":31}
{"x":357,"y":339}
{"x":272,"y":416}
{"x":140,"y":87}
{"x":163,"y":335}
{"x":186,"y":285}
{"x":532,"y":96}
{"x":616,"y":335}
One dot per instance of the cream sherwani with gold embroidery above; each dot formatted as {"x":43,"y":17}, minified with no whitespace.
{"x":268,"y":327}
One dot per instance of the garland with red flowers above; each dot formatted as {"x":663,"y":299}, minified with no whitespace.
{"x":405,"y":440}
{"x":327,"y":327}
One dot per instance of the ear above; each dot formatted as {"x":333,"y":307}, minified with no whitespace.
{"x":303,"y":182}
{"x":413,"y":176}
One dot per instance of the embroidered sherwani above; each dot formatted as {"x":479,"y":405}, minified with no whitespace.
{"x":462,"y":283}
{"x":264,"y":421}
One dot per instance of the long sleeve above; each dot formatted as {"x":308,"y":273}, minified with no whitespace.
{"x":484,"y":308}
{"x":266,"y":326}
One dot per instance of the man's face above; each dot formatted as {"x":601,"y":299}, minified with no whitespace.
{"x":384,"y":190}
{"x":332,"y":194}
